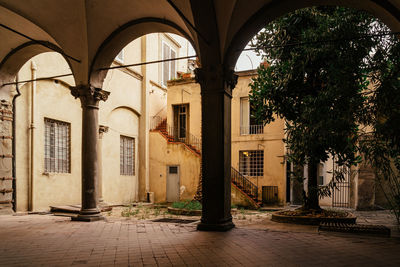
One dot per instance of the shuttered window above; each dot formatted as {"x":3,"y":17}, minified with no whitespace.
{"x":57,"y":146}
{"x":168,"y":67}
{"x":127,"y":155}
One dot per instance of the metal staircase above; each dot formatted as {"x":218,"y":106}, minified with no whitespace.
{"x":245,"y":186}
{"x":192,"y":142}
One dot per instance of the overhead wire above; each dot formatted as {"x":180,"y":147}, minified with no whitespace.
{"x":322,"y":41}
{"x":42,"y":43}
{"x":193,"y":56}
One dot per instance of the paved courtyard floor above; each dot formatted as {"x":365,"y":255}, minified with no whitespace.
{"x":45,"y":240}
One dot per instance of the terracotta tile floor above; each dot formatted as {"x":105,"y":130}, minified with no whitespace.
{"x":43,"y":240}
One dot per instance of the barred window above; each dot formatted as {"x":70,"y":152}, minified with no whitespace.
{"x":127,"y":155}
{"x":251,"y":163}
{"x":57,"y":146}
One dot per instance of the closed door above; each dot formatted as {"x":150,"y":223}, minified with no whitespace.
{"x":172,"y":183}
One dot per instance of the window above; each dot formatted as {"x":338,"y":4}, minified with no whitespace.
{"x":120,"y":56}
{"x":56,"y":146}
{"x":251,"y":163}
{"x":321,"y":174}
{"x":173,"y":169}
{"x":127,"y":155}
{"x":248,"y":124}
{"x":168,"y":67}
{"x":181,"y":120}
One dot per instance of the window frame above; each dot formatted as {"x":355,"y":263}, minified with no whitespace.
{"x":171,"y":74}
{"x":58,"y":148}
{"x":258,"y":161}
{"x":124,"y":166}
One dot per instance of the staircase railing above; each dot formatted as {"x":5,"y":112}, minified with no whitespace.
{"x":156,"y":121}
{"x":244,"y":184}
{"x":159,"y":123}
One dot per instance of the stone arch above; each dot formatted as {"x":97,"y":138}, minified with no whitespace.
{"x":14,"y":61}
{"x":137,"y":113}
{"x":383,"y":10}
{"x":122,"y":37}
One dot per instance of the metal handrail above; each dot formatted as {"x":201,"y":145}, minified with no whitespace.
{"x":251,"y":129}
{"x":190,"y":139}
{"x":244,"y":184}
{"x":156,"y":121}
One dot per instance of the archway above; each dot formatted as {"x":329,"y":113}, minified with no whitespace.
{"x":393,"y":27}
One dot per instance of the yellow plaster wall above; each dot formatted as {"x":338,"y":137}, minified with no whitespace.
{"x":270,"y":141}
{"x":186,"y":92}
{"x":118,"y":188}
{"x":162,"y":155}
{"x":55,"y":102}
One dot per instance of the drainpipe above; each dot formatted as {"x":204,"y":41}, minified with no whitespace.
{"x":32,"y":137}
{"x":14,"y":170}
{"x":144,"y":130}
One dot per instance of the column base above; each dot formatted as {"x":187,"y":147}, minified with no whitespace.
{"x":216,"y":227}
{"x":88,"y":218}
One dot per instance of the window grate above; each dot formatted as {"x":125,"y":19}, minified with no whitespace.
{"x":127,"y":155}
{"x":57,"y":146}
{"x":251,"y":162}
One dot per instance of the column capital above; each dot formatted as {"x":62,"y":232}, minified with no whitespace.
{"x":89,"y":95}
{"x":209,"y":75}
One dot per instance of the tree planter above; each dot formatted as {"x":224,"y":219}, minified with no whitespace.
{"x":186,"y":212}
{"x":311,"y":220}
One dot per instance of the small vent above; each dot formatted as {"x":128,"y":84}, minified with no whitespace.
{"x":173,"y":169}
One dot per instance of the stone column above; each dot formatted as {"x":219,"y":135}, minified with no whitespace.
{"x":90,"y":98}
{"x":102,"y":129}
{"x":216,"y":94}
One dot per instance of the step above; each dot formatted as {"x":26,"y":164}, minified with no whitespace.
{"x":380,"y":230}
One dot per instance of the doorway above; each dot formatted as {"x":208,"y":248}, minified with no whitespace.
{"x":173,"y":183}
{"x":181,"y":119}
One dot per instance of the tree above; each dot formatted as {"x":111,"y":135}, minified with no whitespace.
{"x":381,"y":147}
{"x":320,"y":59}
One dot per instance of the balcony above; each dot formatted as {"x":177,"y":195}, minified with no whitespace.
{"x":251,"y":129}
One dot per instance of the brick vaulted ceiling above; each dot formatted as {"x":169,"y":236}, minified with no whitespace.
{"x":81,"y":27}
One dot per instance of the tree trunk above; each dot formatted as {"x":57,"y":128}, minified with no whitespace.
{"x":312,"y":199}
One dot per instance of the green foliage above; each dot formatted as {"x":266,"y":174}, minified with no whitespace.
{"x":320,"y":66}
{"x":187,"y":204}
{"x":129,"y":211}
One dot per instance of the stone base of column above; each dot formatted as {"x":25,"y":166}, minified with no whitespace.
{"x":88,"y":218}
{"x":216,"y":227}
{"x":88,"y":215}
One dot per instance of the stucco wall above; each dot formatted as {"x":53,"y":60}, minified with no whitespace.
{"x":119,"y":188}
{"x":185,"y":92}
{"x":120,"y":112}
{"x":270,"y":142}
{"x":53,"y":101}
{"x":162,"y":155}
{"x":188,"y":92}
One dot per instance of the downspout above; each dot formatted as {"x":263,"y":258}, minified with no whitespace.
{"x":32,"y":137}
{"x":144,"y":125}
{"x":14,"y":170}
